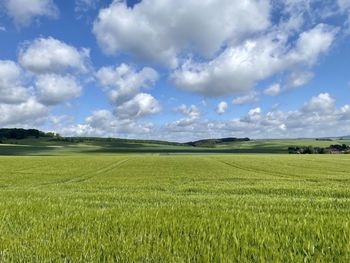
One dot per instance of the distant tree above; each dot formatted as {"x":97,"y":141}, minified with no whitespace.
{"x":19,"y":134}
{"x":50,"y":134}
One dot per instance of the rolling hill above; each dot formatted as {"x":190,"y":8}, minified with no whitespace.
{"x":34,"y":142}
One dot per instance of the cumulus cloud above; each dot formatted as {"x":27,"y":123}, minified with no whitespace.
{"x":251,"y":97}
{"x":100,"y":123}
{"x":103,"y":123}
{"x":192,"y":114}
{"x":54,"y":89}
{"x":25,"y":101}
{"x":23,"y":12}
{"x":321,"y":103}
{"x":237,"y":68}
{"x":160,"y":30}
{"x":230,"y":55}
{"x":123,"y":82}
{"x":102,"y":119}
{"x":222,"y":107}
{"x":49,"y":55}
{"x":211,"y":48}
{"x":311,"y":44}
{"x":253,"y":116}
{"x":273,"y":90}
{"x":29,"y":112}
{"x":141,"y":105}
{"x":11,"y":88}
{"x":123,"y":85}
{"x":317,"y":117}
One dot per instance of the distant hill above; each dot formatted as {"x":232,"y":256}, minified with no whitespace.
{"x":112,"y":140}
{"x":214,"y":142}
{"x":347,"y":137}
{"x":20,"y":134}
{"x":35,"y":142}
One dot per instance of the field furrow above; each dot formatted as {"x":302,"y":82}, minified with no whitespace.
{"x":147,"y":208}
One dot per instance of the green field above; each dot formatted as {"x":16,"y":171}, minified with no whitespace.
{"x":45,"y":146}
{"x":154,"y":208}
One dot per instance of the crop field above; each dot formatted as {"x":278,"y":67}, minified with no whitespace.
{"x":45,"y":146}
{"x":154,"y":208}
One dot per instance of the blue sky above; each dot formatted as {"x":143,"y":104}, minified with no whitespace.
{"x":176,"y":70}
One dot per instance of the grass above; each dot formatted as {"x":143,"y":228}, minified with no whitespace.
{"x":137,"y":208}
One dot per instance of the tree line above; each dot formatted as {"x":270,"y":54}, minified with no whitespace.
{"x":336,"y":148}
{"x":19,"y":134}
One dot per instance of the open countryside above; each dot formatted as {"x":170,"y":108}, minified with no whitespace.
{"x":174,"y":131}
{"x":104,"y":200}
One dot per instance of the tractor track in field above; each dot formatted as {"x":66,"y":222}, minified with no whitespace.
{"x":277,"y":174}
{"x":98,"y":172}
{"x":87,"y":176}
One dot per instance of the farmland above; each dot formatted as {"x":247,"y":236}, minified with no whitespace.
{"x":46,"y":146}
{"x":167,"y":208}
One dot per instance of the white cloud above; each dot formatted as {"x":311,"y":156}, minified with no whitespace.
{"x":254,"y":111}
{"x":212,"y":48}
{"x":236,"y":69}
{"x":23,"y":12}
{"x":24,"y":100}
{"x":123,"y":85}
{"x":103,"y":123}
{"x":100,"y":123}
{"x":253,"y":116}
{"x":160,"y":30}
{"x":321,"y":103}
{"x":222,"y":107}
{"x":298,"y":79}
{"x":49,"y":55}
{"x":103,"y":120}
{"x":215,"y":47}
{"x":123,"y":82}
{"x":311,"y":44}
{"x":54,"y":89}
{"x":29,"y":112}
{"x":317,"y":117}
{"x":192,"y":114}
{"x":345,"y":113}
{"x":273,"y":90}
{"x":251,"y":97}
{"x":11,"y":88}
{"x":141,"y":105}
{"x":2,"y":28}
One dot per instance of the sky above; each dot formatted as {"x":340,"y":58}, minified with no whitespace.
{"x":176,"y":70}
